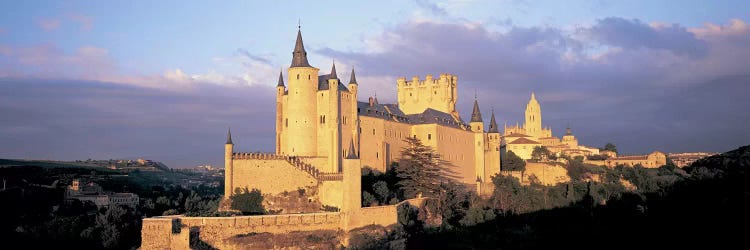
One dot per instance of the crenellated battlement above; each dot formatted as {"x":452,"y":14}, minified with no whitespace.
{"x":293,"y":160}
{"x":417,"y":95}
{"x":444,"y":78}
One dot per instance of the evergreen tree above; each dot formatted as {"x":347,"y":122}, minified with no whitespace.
{"x":540,"y":152}
{"x":421,"y":170}
{"x":513,"y":163}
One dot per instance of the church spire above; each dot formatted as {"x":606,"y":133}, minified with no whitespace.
{"x":229,"y":136}
{"x":493,"y":123}
{"x":476,"y":116}
{"x":299,"y":56}
{"x":353,"y":79}
{"x":352,"y":152}
{"x":532,"y":96}
{"x":281,"y":79}
{"x":333,"y":74}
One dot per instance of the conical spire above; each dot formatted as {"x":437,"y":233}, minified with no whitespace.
{"x":353,"y":79}
{"x":476,"y":116}
{"x":333,"y":74}
{"x":493,"y":124}
{"x":299,"y":56}
{"x":352,"y":152}
{"x":281,"y":79}
{"x":229,"y":136}
{"x":532,"y":96}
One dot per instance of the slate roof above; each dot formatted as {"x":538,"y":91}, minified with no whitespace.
{"x":323,"y":83}
{"x":393,"y":113}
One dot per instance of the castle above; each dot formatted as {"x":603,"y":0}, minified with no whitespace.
{"x":325,"y":136}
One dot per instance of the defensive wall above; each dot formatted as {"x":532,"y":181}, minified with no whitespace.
{"x":547,"y":174}
{"x":174,"y":232}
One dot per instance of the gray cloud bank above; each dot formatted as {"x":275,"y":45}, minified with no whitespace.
{"x":67,"y":120}
{"x":641,"y":86}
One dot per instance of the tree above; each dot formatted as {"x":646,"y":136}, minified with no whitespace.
{"x":540,"y":153}
{"x":421,"y":170}
{"x":381,"y":190}
{"x":513,"y":163}
{"x":248,"y":202}
{"x":610,"y":147}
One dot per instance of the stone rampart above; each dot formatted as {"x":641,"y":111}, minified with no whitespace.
{"x":170,"y":232}
{"x":175,"y":232}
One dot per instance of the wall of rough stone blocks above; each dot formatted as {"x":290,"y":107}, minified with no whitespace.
{"x":331,"y":193}
{"x":270,"y":176}
{"x":548,"y":174}
{"x":157,"y":232}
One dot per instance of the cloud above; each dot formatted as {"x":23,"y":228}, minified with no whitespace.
{"x":634,"y":34}
{"x":431,"y":7}
{"x":642,"y":86}
{"x":248,"y":55}
{"x":49,"y":24}
{"x":74,"y":119}
{"x":86,"y":23}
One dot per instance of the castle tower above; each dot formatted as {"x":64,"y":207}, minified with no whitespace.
{"x":415,"y":96}
{"x":533,"y":124}
{"x":228,"y":167}
{"x":352,"y":172}
{"x":280,"y":90}
{"x":354,"y":88}
{"x":300,"y":109}
{"x":477,"y":126}
{"x":492,"y":157}
{"x":476,"y":123}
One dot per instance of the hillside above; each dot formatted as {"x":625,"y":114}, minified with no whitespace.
{"x":706,"y":210}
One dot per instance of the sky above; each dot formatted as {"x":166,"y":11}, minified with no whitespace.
{"x":163,"y":80}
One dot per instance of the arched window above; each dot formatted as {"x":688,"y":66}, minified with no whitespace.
{"x":297,"y":76}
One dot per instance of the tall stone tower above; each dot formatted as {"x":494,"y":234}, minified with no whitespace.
{"x":533,"y":124}
{"x":477,"y":126}
{"x":300,"y":114}
{"x":228,"y":165}
{"x":439,"y":94}
{"x":280,"y":90}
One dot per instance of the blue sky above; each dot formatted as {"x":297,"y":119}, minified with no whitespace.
{"x":163,"y":79}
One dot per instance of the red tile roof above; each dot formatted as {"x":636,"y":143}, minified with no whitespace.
{"x":524,"y":141}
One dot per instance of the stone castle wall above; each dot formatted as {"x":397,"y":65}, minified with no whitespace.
{"x":170,"y":232}
{"x":173,"y":232}
{"x":270,"y":176}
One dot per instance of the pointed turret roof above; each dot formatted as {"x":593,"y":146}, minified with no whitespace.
{"x":493,"y":124}
{"x":333,"y":74}
{"x":532,"y":96}
{"x":353,"y":79}
{"x":281,"y":79}
{"x":476,"y":116}
{"x":229,"y":136}
{"x":352,"y":152}
{"x":299,"y":56}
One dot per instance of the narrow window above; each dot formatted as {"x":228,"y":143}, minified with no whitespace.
{"x":297,"y":76}
{"x":286,"y":122}
{"x":429,"y":136}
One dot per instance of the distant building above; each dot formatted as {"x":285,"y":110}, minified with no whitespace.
{"x":94,"y":193}
{"x":685,"y":159}
{"x":653,"y":160}
{"x":523,"y":139}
